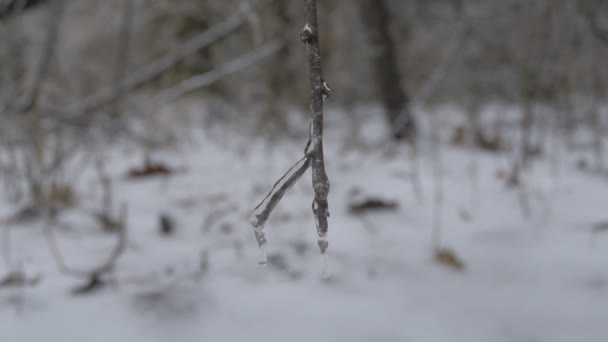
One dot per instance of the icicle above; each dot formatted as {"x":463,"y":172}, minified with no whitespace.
{"x":320,"y":216}
{"x":263,"y":260}
{"x":325,"y":266}
{"x":258,"y":230}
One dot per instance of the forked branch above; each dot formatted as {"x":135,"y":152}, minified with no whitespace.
{"x":313,"y":153}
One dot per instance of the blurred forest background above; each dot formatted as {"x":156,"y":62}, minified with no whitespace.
{"x":521,"y":80}
{"x":114,"y":66}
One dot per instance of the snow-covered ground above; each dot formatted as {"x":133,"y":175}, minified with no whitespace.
{"x":529,"y":280}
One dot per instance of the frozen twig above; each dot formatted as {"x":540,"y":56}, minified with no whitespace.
{"x":263,"y":210}
{"x":320,"y":92}
{"x":313,"y":152}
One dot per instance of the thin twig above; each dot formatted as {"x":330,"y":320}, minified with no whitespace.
{"x":262,"y":211}
{"x":313,"y":152}
{"x":320,"y":92}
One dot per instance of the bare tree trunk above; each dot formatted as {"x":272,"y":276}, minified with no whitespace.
{"x":376,"y":19}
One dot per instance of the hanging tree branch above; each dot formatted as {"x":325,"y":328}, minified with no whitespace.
{"x":313,"y":153}
{"x":262,"y":211}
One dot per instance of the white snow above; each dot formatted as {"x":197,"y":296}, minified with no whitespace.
{"x":536,"y":279}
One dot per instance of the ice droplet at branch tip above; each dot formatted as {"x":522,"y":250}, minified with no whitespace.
{"x":263,"y":260}
{"x":325,"y":266}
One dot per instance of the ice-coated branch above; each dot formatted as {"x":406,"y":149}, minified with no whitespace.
{"x":263,"y":210}
{"x":313,"y":152}
{"x":320,"y":92}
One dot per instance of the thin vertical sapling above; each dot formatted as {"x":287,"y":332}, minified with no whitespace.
{"x":313,"y":152}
